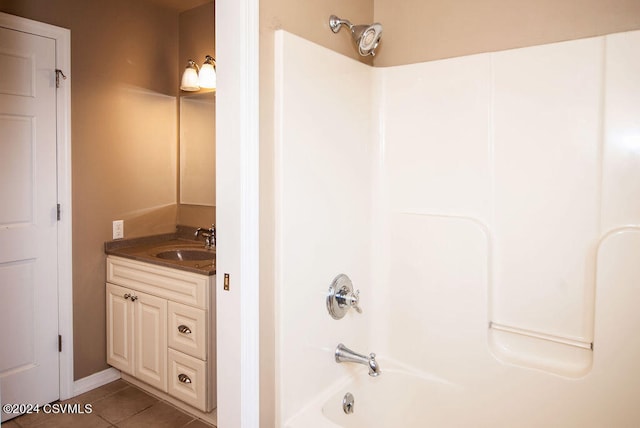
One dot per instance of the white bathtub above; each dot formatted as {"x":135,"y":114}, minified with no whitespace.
{"x":396,"y":398}
{"x":506,"y":398}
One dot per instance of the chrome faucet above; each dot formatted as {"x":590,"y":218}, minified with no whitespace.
{"x":209,"y":236}
{"x":346,"y":355}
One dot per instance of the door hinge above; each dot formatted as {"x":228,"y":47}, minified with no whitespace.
{"x":59,"y":343}
{"x":58,"y":209}
{"x":226,"y":282}
{"x":58,"y":74}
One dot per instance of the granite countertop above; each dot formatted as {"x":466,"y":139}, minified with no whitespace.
{"x":145,"y":248}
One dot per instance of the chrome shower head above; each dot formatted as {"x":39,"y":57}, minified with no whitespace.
{"x":367,"y":37}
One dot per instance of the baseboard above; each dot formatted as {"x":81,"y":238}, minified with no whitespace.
{"x":95,"y":380}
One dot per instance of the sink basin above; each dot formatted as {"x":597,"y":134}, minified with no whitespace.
{"x":186,"y":255}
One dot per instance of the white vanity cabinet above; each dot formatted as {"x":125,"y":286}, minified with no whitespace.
{"x":137,"y":334}
{"x":161,"y":329}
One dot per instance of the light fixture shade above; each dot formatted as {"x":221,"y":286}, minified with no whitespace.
{"x":207,"y":74}
{"x":190,"y":78}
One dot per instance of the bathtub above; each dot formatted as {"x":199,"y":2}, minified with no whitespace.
{"x":396,"y":398}
{"x":503,"y":398}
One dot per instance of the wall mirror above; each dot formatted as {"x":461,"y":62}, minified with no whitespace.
{"x":198,"y":149}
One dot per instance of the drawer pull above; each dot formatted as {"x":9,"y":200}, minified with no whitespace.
{"x":184,"y":329}
{"x":184,"y":378}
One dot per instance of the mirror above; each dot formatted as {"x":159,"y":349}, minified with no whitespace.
{"x":198,"y":149}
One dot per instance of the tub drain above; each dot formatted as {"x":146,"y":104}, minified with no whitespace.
{"x":348,"y":403}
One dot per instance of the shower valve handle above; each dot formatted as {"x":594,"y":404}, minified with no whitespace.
{"x":353,"y":300}
{"x":347,"y":298}
{"x":341,"y":297}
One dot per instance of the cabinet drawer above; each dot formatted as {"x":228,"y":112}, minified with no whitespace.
{"x":172,"y":284}
{"x":187,"y":327}
{"x":187,"y":379}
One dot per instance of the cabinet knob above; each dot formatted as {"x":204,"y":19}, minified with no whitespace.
{"x":126,"y":296}
{"x":184,"y":378}
{"x":184,"y":329}
{"x":134,"y":298}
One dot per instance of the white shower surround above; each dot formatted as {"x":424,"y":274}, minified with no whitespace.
{"x":501,"y":187}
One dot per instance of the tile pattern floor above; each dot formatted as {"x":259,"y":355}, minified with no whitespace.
{"x":116,"y":404}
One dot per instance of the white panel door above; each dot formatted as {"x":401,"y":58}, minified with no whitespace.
{"x":29,"y":362}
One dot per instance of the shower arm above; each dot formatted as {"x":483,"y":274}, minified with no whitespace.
{"x":335,"y":23}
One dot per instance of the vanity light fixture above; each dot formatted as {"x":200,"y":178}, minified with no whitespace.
{"x":190,"y":77}
{"x":207,"y":73}
{"x":195,"y":77}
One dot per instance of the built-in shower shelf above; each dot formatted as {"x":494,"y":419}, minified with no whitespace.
{"x":543,"y":336}
{"x":563,"y":356}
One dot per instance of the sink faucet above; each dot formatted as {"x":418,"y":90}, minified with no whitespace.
{"x":346,"y":355}
{"x":209,"y":236}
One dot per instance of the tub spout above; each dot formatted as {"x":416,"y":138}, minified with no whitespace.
{"x":346,"y":355}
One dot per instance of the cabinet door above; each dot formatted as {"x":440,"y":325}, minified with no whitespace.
{"x":119,"y":329}
{"x":151,"y":339}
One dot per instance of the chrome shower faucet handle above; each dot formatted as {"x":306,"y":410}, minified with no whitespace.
{"x":341,"y":297}
{"x":349,"y":298}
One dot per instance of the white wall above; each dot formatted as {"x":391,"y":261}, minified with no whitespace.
{"x":504,"y":189}
{"x":520,"y":144}
{"x":323,"y":196}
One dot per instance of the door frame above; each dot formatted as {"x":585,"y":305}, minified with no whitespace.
{"x":62,"y":37}
{"x":237,"y":214}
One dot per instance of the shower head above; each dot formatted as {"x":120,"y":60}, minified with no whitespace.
{"x":367,"y":37}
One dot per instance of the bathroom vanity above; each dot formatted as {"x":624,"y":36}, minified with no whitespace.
{"x":161,"y":319}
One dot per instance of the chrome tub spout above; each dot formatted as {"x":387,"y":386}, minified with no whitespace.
{"x":346,"y":355}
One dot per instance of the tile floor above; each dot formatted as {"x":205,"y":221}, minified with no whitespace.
{"x":117,"y":404}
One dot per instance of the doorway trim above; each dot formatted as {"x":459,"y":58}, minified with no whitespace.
{"x":237,"y":214}
{"x":62,"y":37}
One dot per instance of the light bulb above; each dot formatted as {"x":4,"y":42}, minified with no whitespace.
{"x":190,"y":77}
{"x":207,"y":74}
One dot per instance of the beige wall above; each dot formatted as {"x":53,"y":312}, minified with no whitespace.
{"x":310,"y":19}
{"x":124,"y":132}
{"x":418,"y":30}
{"x":196,"y":215}
{"x":196,"y":40}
